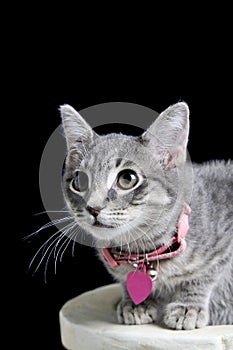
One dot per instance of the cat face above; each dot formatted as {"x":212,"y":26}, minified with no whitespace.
{"x":107,"y":188}
{"x":118,"y":186}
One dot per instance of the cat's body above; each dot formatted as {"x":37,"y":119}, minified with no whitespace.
{"x":132,"y":198}
{"x":206,"y":267}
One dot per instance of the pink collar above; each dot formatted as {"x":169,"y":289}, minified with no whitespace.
{"x":176,"y":246}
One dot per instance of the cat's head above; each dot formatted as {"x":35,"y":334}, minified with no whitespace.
{"x":120,"y":187}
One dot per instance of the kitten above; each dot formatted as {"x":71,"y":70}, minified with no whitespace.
{"x":132,"y":196}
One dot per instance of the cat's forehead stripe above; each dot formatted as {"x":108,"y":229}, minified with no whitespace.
{"x":127,"y":164}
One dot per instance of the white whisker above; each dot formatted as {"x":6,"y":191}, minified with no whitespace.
{"x":47,"y":261}
{"x":49,"y":224}
{"x":64,"y":231}
{"x":74,"y":241}
{"x":44,"y":254}
{"x":69,"y":234}
{"x":147,"y":236}
{"x":51,"y":211}
{"x":69,"y":238}
{"x":45,"y":243}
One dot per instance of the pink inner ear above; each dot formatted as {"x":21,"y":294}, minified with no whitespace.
{"x":169,"y":162}
{"x":176,"y":159}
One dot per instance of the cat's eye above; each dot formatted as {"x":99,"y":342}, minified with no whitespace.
{"x":127,"y":179}
{"x":80,"y":182}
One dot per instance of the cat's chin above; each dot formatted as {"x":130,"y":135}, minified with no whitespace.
{"x":103,"y":231}
{"x":107,"y":236}
{"x":104,"y":235}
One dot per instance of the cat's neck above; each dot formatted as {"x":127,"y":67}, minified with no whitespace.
{"x":156,"y":237}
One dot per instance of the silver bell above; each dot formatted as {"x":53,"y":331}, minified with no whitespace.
{"x":152,"y":273}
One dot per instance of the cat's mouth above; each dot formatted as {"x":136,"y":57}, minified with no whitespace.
{"x":99,"y":224}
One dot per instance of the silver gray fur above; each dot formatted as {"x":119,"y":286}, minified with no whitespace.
{"x":193,"y":289}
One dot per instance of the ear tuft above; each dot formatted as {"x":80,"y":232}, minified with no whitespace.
{"x":76,"y":129}
{"x":168,"y":135}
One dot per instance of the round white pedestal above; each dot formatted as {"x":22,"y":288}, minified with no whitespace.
{"x":89,"y":322}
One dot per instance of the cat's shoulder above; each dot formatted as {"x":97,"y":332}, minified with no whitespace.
{"x":214,"y":166}
{"x":214,"y":170}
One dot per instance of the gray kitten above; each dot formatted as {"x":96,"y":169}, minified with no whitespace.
{"x":132,"y":196}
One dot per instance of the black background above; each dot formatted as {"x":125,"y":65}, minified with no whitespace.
{"x":44,"y":78}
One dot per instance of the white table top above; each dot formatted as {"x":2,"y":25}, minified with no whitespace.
{"x":89,"y":322}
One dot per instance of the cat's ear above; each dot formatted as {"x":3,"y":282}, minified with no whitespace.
{"x":168,"y":135}
{"x":76,"y":129}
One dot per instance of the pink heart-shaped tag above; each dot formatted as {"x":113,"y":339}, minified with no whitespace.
{"x":139,"y":286}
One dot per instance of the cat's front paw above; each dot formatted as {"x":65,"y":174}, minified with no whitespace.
{"x":178,"y":316}
{"x":129,"y":313}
